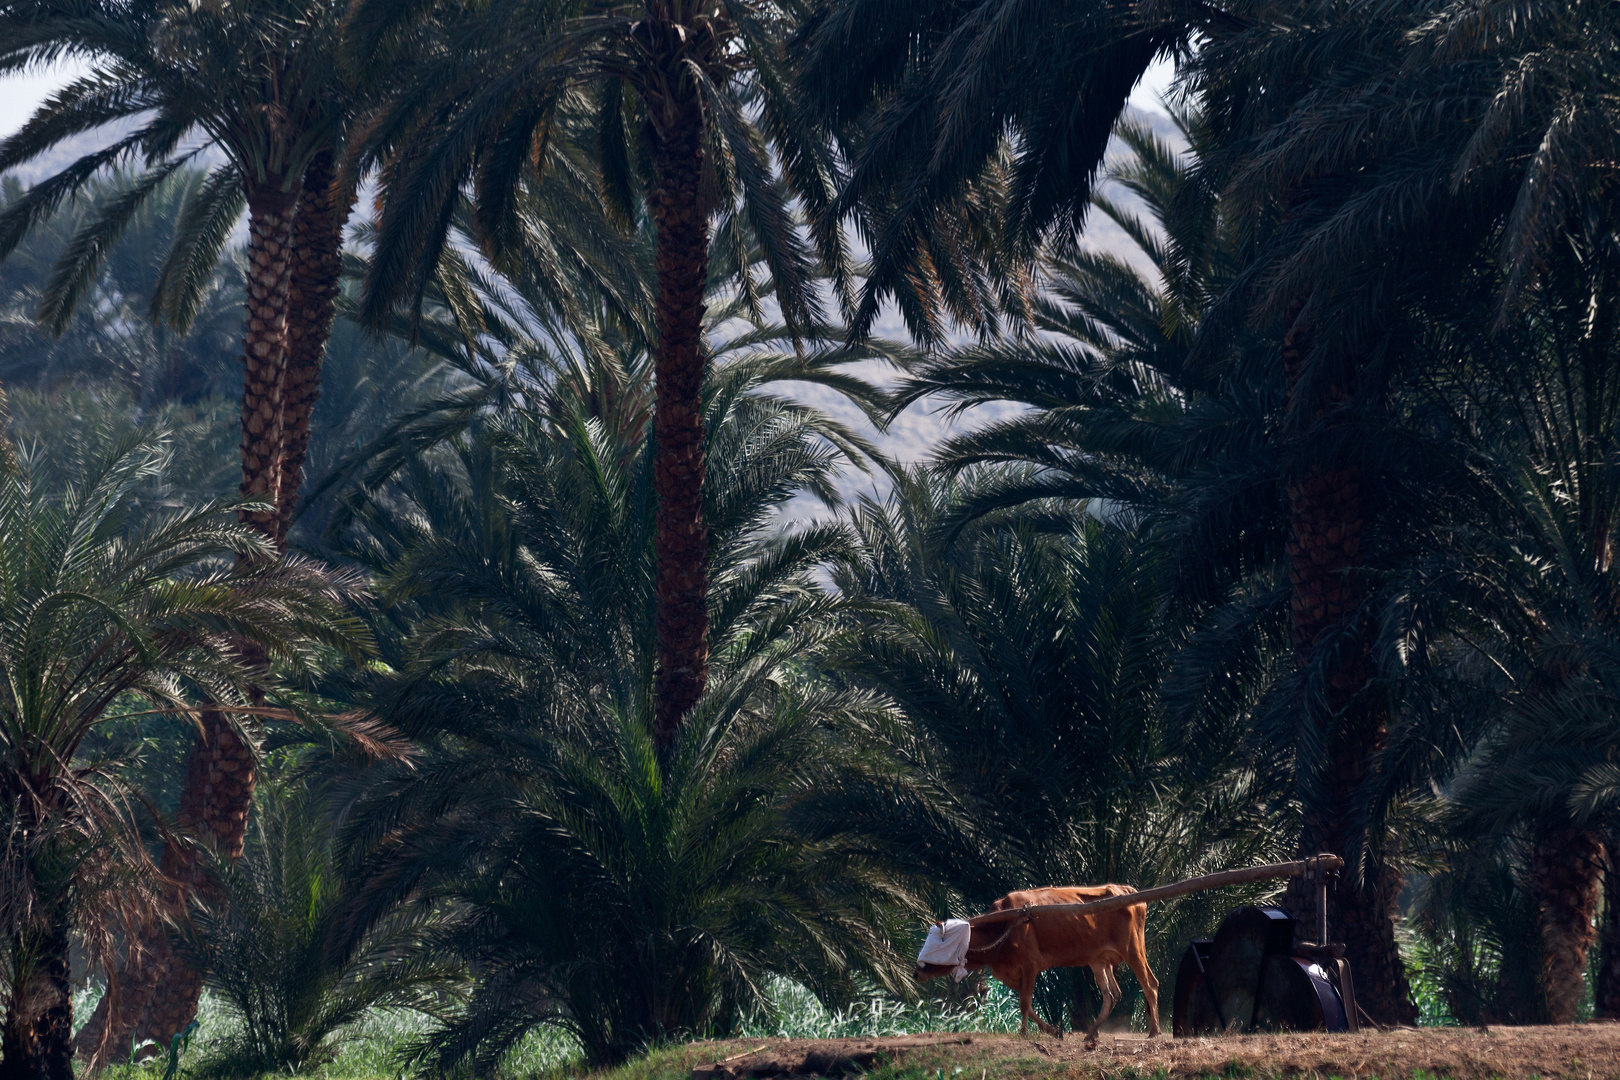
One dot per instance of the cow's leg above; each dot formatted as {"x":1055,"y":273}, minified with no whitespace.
{"x":1104,"y":974}
{"x":1136,"y":956}
{"x":1056,"y":1027}
{"x":1026,"y":1007}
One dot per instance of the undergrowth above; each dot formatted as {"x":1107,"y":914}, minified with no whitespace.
{"x":373,"y":1048}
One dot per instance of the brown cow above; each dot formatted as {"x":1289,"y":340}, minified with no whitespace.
{"x":1017,"y":952}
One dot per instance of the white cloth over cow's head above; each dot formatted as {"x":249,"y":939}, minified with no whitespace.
{"x":947,"y":946}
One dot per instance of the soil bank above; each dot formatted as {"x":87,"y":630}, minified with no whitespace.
{"x":1585,"y":1051}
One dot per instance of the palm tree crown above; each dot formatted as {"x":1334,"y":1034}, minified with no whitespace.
{"x":683,"y":101}
{"x":519,"y":558}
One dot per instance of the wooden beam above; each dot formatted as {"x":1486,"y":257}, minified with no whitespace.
{"x":1268,"y":872}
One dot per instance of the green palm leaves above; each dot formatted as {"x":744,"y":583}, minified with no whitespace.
{"x":597,"y":885}
{"x":284,"y":954}
{"x":1023,"y":656}
{"x":102,"y":617}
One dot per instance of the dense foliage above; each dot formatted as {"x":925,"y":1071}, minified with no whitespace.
{"x":544,"y":632}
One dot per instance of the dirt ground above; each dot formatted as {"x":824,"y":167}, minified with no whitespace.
{"x":1586,"y":1051}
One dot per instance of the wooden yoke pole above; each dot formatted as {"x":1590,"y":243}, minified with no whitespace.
{"x":1181,"y":888}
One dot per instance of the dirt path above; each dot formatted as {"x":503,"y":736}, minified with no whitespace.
{"x":1585,"y":1051}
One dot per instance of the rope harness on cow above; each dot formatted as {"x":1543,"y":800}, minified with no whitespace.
{"x":1026,"y":916}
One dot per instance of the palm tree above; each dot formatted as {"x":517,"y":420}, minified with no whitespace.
{"x":1129,"y":404}
{"x":264,"y":86}
{"x":268,"y":87}
{"x":285,"y":957}
{"x":594,"y":880}
{"x":1442,"y":138}
{"x":1022,"y":656}
{"x":106,"y":340}
{"x":683,"y":100}
{"x":972,"y":131}
{"x":1531,"y":561}
{"x":99,"y":622}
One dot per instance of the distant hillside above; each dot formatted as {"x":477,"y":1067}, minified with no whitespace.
{"x":68,"y":152}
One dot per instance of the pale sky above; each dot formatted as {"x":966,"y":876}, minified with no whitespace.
{"x":21,"y":94}
{"x":1155,"y":81}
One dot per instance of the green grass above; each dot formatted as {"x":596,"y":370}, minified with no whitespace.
{"x":373,"y":1048}
{"x":370,"y":1049}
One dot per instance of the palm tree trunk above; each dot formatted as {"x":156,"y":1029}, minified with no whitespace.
{"x":317,"y":270}
{"x":1606,"y":995}
{"x":222,"y":773}
{"x":160,"y":990}
{"x":264,"y":350}
{"x":1327,"y":518}
{"x":56,"y":1023}
{"x":18,"y":1054}
{"x":108,"y":1035}
{"x":1566,"y":873}
{"x":682,"y":542}
{"x":214,"y":804}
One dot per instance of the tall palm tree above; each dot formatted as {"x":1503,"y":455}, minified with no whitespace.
{"x":595,"y":880}
{"x":265,"y":87}
{"x":99,"y":619}
{"x":1532,"y":559}
{"x":686,"y":103}
{"x":269,"y":88}
{"x":1129,"y":405}
{"x":1397,"y":147}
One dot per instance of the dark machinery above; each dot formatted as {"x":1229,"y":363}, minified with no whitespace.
{"x":1258,"y":974}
